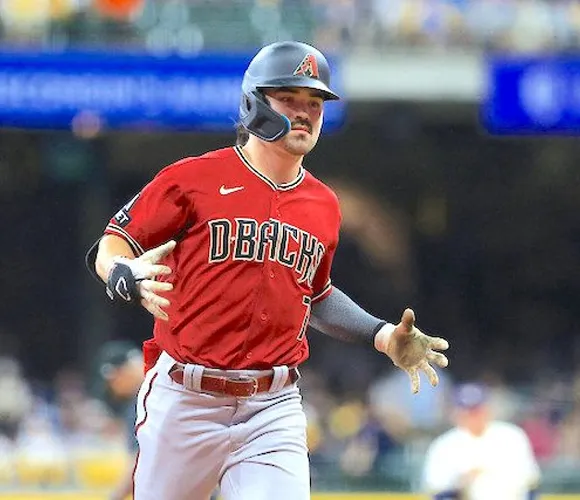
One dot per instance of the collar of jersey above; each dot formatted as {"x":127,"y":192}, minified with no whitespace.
{"x":277,"y":187}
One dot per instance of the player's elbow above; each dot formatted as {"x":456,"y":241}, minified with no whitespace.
{"x":102,"y":267}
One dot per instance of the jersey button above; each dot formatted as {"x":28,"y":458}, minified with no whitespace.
{"x":263,"y":316}
{"x":249,"y":355}
{"x":272,"y":275}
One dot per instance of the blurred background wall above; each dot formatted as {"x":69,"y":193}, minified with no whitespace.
{"x":478,"y":232}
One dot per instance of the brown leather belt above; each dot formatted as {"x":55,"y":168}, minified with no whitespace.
{"x":244,"y":386}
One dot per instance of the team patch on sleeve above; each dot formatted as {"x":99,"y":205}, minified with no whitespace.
{"x":122,"y":217}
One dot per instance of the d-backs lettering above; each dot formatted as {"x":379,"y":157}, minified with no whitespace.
{"x":246,"y":239}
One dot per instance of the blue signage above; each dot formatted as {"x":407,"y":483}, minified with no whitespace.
{"x":126,"y":91}
{"x":532,"y":96}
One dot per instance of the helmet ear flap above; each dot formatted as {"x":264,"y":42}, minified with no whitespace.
{"x":260,"y":119}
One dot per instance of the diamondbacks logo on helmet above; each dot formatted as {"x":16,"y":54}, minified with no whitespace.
{"x":308,"y":67}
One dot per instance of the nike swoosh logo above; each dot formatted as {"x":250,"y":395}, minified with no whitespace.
{"x":225,"y":190}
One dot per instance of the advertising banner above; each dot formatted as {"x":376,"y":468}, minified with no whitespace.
{"x":126,"y":91}
{"x":532,"y":95}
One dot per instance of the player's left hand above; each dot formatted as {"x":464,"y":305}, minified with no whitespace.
{"x":411,"y":350}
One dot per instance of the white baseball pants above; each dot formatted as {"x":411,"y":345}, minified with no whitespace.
{"x":190,"y":442}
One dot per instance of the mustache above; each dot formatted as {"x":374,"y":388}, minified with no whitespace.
{"x":302,"y":123}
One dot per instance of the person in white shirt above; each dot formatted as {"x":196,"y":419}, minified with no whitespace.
{"x":480,"y":458}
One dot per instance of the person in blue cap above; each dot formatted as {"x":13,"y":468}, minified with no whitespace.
{"x":480,"y":458}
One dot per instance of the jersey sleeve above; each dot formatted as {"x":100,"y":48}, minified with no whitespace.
{"x":322,"y":283}
{"x":156,"y":214}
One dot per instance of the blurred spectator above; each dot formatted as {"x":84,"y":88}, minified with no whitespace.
{"x":541,"y":416}
{"x":480,"y":458}
{"x":569,"y":428}
{"x":40,"y":456}
{"x":488,"y":22}
{"x":422,"y":415}
{"x":319,"y":404}
{"x":16,"y":398}
{"x":532,"y":29}
{"x":569,"y":442}
{"x":372,"y":439}
{"x":120,"y":366}
{"x":6,"y":460}
{"x":503,"y":401}
{"x":540,"y":430}
{"x":118,"y":9}
{"x":337,"y":23}
{"x":81,"y":421}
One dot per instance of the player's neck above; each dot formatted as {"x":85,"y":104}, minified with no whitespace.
{"x":275,"y":163}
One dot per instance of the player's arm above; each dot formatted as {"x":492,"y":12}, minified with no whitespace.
{"x":138,"y":236}
{"x":111,"y":247}
{"x":131,"y":279}
{"x":407,"y":346}
{"x":335,"y":314}
{"x":340,"y":317}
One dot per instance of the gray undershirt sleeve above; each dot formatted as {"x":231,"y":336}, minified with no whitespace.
{"x":340,"y":317}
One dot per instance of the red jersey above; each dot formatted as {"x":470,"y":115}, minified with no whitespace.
{"x":251,"y":258}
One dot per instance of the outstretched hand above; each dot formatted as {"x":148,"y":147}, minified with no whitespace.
{"x":411,"y":350}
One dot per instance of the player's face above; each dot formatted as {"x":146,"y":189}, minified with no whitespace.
{"x":475,"y":420}
{"x":303,"y":107}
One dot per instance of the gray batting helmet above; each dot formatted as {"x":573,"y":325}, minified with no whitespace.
{"x":280,"y":64}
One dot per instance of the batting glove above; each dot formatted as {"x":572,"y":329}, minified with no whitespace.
{"x":134,"y":279}
{"x":411,"y":350}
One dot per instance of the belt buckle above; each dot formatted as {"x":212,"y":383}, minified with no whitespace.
{"x":247,"y":378}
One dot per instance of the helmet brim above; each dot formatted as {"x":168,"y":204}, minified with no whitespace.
{"x":305,"y":82}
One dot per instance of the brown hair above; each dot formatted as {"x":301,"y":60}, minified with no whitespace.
{"x":242,"y":135}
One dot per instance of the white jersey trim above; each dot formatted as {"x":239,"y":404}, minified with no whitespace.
{"x":133,"y":243}
{"x":323,"y":292}
{"x":276,"y":187}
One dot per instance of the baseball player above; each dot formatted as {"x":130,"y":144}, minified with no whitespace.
{"x":480,"y":458}
{"x":231,"y":253}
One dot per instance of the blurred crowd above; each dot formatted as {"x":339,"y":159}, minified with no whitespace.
{"x":57,"y":433}
{"x":339,"y":25}
{"x":380,"y":436}
{"x":63,"y":434}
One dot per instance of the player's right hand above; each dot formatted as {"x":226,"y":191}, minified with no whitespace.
{"x":148,"y":287}
{"x":145,"y":269}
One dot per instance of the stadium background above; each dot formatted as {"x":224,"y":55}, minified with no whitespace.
{"x":477,"y":232}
